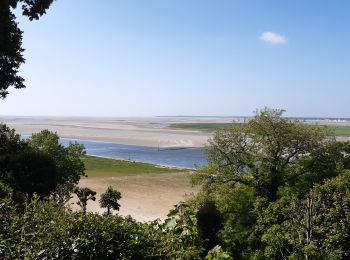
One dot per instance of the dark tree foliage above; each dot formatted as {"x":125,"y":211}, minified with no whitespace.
{"x":68,"y":162}
{"x":209,"y":223}
{"x":11,"y":51}
{"x":32,"y":8}
{"x":10,"y":142}
{"x":32,"y":160}
{"x":29,"y":172}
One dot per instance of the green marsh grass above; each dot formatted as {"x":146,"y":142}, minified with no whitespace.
{"x":98,"y":167}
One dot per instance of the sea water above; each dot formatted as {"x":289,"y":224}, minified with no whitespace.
{"x":168,"y":156}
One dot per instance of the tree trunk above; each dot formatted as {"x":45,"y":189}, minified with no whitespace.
{"x":275,"y":182}
{"x":84,"y":206}
{"x":308,"y":220}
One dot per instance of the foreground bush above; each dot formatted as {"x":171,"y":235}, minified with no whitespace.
{"x":46,"y":230}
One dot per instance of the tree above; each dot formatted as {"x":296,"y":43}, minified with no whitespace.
{"x":182,"y":236}
{"x":265,"y":153}
{"x":209,"y":223}
{"x":314,"y":227}
{"x":29,"y":172}
{"x":68,"y":161}
{"x":24,"y":169}
{"x":236,"y":206}
{"x":56,"y":169}
{"x":262,"y":177}
{"x":10,"y":142}
{"x":109,"y":200}
{"x":11,"y":51}
{"x":84,"y":195}
{"x":331,"y":216}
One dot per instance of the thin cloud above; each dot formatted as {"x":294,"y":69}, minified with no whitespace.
{"x":273,"y":38}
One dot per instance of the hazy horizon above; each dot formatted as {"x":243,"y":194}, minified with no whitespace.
{"x":170,"y":116}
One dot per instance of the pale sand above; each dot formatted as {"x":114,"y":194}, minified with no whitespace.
{"x":134,"y":131}
{"x":151,"y":131}
{"x":144,"y":197}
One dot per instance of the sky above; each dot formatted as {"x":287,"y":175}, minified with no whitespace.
{"x":185,"y":57}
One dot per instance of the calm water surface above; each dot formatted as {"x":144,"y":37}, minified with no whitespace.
{"x":177,"y":157}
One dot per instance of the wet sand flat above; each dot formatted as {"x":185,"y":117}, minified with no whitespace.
{"x":133,"y":131}
{"x":144,"y":131}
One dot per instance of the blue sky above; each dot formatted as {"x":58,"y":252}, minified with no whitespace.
{"x":185,"y":57}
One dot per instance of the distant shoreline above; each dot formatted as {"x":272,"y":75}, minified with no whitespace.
{"x":7,"y":117}
{"x":147,"y":132}
{"x":142,"y":132}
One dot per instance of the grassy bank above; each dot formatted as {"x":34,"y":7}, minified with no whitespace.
{"x":97,"y":167}
{"x":200,"y":126}
{"x":211,"y":127}
{"x":342,"y":130}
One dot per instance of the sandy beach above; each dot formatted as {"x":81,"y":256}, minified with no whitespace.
{"x":144,"y":197}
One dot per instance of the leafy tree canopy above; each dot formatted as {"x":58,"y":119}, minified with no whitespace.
{"x":40,"y":164}
{"x":271,"y":151}
{"x":68,"y":161}
{"x":281,"y":188}
{"x":10,"y":142}
{"x":29,"y":172}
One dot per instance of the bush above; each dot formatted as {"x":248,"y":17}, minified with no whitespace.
{"x":47,"y":230}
